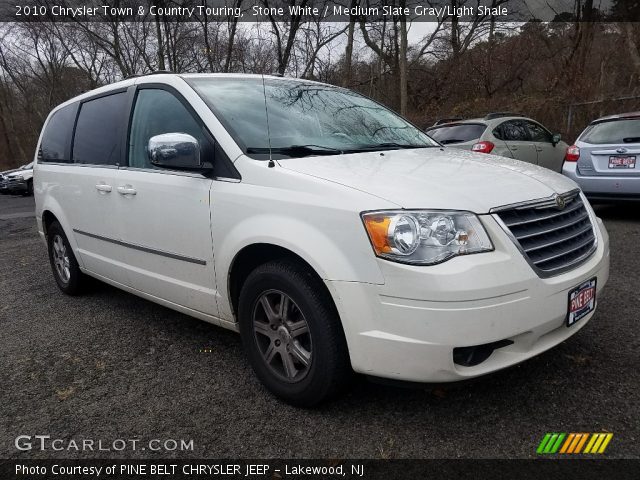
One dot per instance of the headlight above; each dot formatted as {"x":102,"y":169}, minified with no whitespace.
{"x":19,"y":177}
{"x":425,"y":237}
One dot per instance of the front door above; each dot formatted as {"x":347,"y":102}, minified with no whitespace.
{"x":516,"y":136}
{"x":165,"y":215}
{"x":550,"y":155}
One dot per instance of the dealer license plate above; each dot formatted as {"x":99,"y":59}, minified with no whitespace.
{"x":582,"y":301}
{"x":622,"y":162}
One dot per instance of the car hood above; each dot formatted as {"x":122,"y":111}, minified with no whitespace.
{"x":439,"y":178}
{"x":15,"y":173}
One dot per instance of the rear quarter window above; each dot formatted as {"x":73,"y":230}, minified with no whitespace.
{"x":615,"y":131}
{"x":99,"y":130}
{"x":459,"y":133}
{"x":56,"y":137}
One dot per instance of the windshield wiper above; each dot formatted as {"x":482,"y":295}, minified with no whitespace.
{"x":388,"y":146}
{"x":451,"y":140}
{"x":297,"y":150}
{"x":631,"y":139}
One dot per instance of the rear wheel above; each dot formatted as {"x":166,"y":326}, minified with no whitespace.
{"x":292,"y":333}
{"x":63,"y":262}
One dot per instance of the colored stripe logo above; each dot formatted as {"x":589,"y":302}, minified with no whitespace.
{"x":572,"y":443}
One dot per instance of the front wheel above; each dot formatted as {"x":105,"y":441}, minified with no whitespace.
{"x":292,"y":333}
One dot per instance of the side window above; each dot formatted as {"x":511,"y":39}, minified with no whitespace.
{"x":56,"y":137}
{"x":99,"y":130}
{"x":512,"y":130}
{"x":538,"y":133}
{"x":156,"y":112}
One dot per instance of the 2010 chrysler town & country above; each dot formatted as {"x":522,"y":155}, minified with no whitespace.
{"x":332,"y":234}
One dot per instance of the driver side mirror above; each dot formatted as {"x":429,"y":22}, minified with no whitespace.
{"x":174,"y":150}
{"x":555,"y":139}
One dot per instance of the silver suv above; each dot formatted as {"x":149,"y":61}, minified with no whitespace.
{"x":505,"y":134}
{"x":603,"y":159}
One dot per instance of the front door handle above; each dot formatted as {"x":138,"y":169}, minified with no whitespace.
{"x":103,"y":187}
{"x":539,"y":149}
{"x":126,"y":190}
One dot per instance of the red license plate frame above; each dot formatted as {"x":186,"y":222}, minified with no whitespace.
{"x":622,"y":161}
{"x":581,"y":301}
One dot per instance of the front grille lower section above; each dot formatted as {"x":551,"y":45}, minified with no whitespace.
{"x":553,"y":239}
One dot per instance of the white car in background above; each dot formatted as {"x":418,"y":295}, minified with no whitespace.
{"x":504,"y":134}
{"x":329,"y":232}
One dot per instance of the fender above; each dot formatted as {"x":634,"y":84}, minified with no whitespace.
{"x":52,"y":205}
{"x":327,"y":257}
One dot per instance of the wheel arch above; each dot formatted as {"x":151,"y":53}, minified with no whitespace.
{"x":252,"y":256}
{"x":52,"y":214}
{"x":48,"y":217}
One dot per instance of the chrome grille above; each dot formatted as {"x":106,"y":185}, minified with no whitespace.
{"x":553,"y":239}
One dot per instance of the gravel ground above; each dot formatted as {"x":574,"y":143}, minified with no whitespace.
{"x":109,"y":366}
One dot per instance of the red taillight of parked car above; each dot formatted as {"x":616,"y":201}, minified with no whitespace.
{"x":483,"y":147}
{"x":573,"y":154}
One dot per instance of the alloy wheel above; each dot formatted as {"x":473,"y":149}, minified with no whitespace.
{"x":282,"y":335}
{"x":61,"y":259}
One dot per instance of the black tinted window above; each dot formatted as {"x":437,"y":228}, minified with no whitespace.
{"x":56,"y":137}
{"x":538,"y":133}
{"x":157,"y":112}
{"x":464,"y":132}
{"x":99,"y":130}
{"x":617,"y":131}
{"x":512,"y":130}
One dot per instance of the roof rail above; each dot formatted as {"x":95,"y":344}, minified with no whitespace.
{"x":155,"y":72}
{"x":441,"y":121}
{"x":617,"y":116}
{"x":491,"y":116}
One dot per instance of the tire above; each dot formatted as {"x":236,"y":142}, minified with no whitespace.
{"x":265,"y":335}
{"x":63,"y":262}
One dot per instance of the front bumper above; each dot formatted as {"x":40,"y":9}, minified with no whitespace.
{"x":408,"y":328}
{"x":619,"y":187}
{"x":17,"y":186}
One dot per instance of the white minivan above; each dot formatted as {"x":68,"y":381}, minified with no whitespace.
{"x":333,"y":235}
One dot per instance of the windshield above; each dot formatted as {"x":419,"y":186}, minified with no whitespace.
{"x":304,"y":118}
{"x":616,"y":131}
{"x":462,"y":132}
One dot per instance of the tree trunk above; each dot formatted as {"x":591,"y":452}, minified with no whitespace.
{"x":160,"y":45}
{"x":403,"y":62}
{"x":455,"y":32}
{"x":632,"y":47}
{"x":348,"y":53}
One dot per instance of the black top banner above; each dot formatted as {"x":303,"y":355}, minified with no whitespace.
{"x":319,"y":10}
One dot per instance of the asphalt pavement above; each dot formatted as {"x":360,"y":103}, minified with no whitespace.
{"x":109,"y":365}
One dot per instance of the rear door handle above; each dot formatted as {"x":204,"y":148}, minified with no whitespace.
{"x":103,"y":187}
{"x":126,"y":190}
